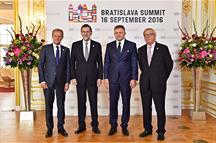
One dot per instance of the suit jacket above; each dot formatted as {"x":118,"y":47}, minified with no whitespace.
{"x":86,"y":71}
{"x":155,"y":76}
{"x":49,"y":71}
{"x":121,"y":66}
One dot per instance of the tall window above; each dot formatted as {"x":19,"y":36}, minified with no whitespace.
{"x":5,"y":40}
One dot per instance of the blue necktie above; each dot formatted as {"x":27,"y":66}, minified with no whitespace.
{"x":57,"y":55}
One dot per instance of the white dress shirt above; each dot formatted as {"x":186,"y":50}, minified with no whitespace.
{"x":122,"y":44}
{"x":152,"y":48}
{"x":54,"y":49}
{"x":88,"y":45}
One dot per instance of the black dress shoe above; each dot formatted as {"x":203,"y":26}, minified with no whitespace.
{"x":63,"y":132}
{"x":48,"y":134}
{"x":125,"y":131}
{"x":80,"y":130}
{"x":96,"y":130}
{"x":145,"y":133}
{"x":160,"y":137}
{"x":112,"y":131}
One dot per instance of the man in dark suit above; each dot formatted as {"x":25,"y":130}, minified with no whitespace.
{"x":156,"y":65}
{"x":87,"y":73}
{"x":54,"y":76}
{"x":120,"y":74}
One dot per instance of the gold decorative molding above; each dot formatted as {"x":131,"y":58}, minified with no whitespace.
{"x":208,"y":104}
{"x":17,"y":75}
{"x":186,"y":6}
{"x":206,"y":6}
{"x":39,"y":17}
{"x":214,"y":67}
{"x":208,"y":89}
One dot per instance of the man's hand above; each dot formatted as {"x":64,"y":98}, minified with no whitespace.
{"x":133,"y":83}
{"x":74,"y":82}
{"x":44,"y":85}
{"x":66,"y":87}
{"x":99,"y":82}
{"x":106,"y":83}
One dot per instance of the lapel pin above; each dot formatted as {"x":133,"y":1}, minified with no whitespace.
{"x":128,"y":51}
{"x":157,"y":48}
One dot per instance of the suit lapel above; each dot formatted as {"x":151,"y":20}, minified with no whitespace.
{"x":124,"y":47}
{"x":91,"y":49}
{"x":51,"y":48}
{"x":80,"y":48}
{"x":115,"y":47}
{"x":145,"y":55}
{"x":62,"y":53}
{"x":156,"y":49}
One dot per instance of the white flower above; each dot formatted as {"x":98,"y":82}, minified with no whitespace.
{"x":11,"y":54}
{"x":35,"y":55}
{"x":194,"y":44}
{"x":210,"y":56}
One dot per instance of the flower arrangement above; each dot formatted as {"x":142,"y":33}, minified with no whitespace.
{"x":23,"y":52}
{"x":197,"y":50}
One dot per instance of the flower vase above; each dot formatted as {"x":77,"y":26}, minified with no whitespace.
{"x":197,"y":75}
{"x":26,"y":80}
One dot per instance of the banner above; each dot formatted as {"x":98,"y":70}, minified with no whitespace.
{"x":70,"y":15}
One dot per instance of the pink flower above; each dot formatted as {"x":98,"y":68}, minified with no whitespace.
{"x":203,"y":54}
{"x":24,"y":57}
{"x":214,"y":55}
{"x":28,"y":63}
{"x":17,"y":51}
{"x":27,"y":44}
{"x":186,"y":51}
{"x":8,"y":61}
{"x":188,"y":56}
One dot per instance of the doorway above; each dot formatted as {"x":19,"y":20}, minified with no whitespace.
{"x":7,"y":75}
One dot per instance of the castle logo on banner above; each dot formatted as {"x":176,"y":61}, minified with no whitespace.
{"x":82,"y":13}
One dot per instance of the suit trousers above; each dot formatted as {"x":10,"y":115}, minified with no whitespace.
{"x":81,"y":96}
{"x":49,"y":99}
{"x":114,"y":91}
{"x":159,"y":101}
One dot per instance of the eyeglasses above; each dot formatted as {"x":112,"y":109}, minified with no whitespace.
{"x":150,"y":34}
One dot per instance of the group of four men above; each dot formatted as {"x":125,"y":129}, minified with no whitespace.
{"x":84,"y":68}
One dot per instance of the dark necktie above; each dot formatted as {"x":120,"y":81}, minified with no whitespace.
{"x":57,"y":55}
{"x":119,"y":47}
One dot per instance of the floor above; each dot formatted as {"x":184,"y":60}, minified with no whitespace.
{"x":180,"y":129}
